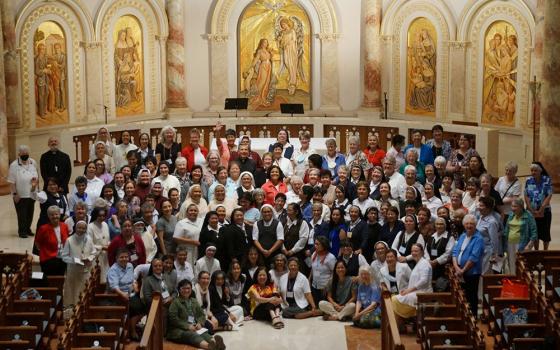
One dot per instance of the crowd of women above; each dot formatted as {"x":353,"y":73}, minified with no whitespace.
{"x":231,"y":235}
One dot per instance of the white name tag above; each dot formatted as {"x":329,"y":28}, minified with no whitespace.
{"x":402,"y":250}
{"x":394,"y":290}
{"x":190,"y":319}
{"x":289,"y":294}
{"x":434,"y":252}
{"x":133,"y":257}
{"x":349,"y":234}
{"x":165,"y":294}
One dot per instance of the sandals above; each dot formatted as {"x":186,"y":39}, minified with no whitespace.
{"x":277,"y":324}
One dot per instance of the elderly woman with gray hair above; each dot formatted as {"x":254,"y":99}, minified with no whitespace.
{"x":355,"y":155}
{"x":332,"y":160}
{"x":520,"y":232}
{"x":508,"y":187}
{"x":411,"y":158}
{"x":50,"y":241}
{"x":538,"y":193}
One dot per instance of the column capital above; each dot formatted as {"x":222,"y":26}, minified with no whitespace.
{"x":220,"y":37}
{"x":328,"y":36}
{"x":92,"y":45}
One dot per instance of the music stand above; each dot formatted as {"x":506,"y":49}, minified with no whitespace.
{"x":236,"y":103}
{"x":291,"y":108}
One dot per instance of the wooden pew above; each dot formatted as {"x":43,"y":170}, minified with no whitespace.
{"x":29,"y":334}
{"x":152,"y":338}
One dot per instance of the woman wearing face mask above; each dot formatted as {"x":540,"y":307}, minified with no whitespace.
{"x":78,"y":253}
{"x":186,"y":317}
{"x":395,"y":274}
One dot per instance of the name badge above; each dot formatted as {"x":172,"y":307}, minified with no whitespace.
{"x":165,"y":294}
{"x":289,"y":294}
{"x":433,"y":252}
{"x":133,"y":257}
{"x":349,"y":234}
{"x":394,"y":290}
{"x":190,"y":319}
{"x":402,"y":249}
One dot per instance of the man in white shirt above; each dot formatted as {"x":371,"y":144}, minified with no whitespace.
{"x":396,"y":180}
{"x":21,"y":172}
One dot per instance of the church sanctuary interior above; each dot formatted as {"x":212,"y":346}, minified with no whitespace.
{"x":279,"y":174}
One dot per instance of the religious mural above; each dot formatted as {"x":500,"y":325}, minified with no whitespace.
{"x":129,"y":67}
{"x":50,"y":67}
{"x":421,"y":68}
{"x":275,"y":54}
{"x":500,"y":74}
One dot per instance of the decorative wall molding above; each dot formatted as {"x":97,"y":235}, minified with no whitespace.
{"x":217,"y":37}
{"x":403,"y":17}
{"x":30,"y":18}
{"x":91,"y":45}
{"x":492,"y":12}
{"x":459,"y":45}
{"x":328,"y":36}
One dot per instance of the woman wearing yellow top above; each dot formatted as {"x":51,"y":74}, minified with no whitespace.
{"x":520,"y":233}
{"x":264,"y":298}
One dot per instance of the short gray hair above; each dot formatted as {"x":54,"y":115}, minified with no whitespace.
{"x":296,"y":178}
{"x":330,"y":142}
{"x":440,"y":160}
{"x":469,"y":218}
{"x":412,"y":151}
{"x":165,"y":129}
{"x":53,"y":209}
{"x":23,"y":148}
{"x":354,"y":139}
{"x":519,"y":201}
{"x":409,"y":167}
{"x":180,"y":160}
{"x":511,"y":165}
{"x":80,"y":204}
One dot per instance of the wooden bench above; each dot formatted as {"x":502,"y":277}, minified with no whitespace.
{"x":29,"y":334}
{"x":447,"y":338}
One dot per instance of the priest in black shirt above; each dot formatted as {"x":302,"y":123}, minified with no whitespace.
{"x":55,"y":163}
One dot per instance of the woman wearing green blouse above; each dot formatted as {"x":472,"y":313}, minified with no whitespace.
{"x":186,"y":318}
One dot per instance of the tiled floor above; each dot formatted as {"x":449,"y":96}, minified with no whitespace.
{"x":298,"y":334}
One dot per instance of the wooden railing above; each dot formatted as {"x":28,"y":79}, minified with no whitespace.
{"x":342,"y":132}
{"x":83,"y":142}
{"x":452,"y":137}
{"x":152,"y":339}
{"x":390,"y":337}
{"x":271,"y":130}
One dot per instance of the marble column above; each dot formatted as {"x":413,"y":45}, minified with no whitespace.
{"x":219,"y":70}
{"x":11,"y":59}
{"x":538,"y":69}
{"x":550,"y":98}
{"x":458,"y":56}
{"x":175,"y":55}
{"x":329,"y":73}
{"x":372,"y":52}
{"x":94,"y":82}
{"x":4,"y":159}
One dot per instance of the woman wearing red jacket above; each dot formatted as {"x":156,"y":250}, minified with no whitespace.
{"x":131,"y":242}
{"x":194,"y":152}
{"x":50,"y":240}
{"x":274,"y":185}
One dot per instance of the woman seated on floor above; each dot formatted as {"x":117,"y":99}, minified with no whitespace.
{"x":420,"y":281}
{"x":296,"y":293}
{"x":227,"y":316}
{"x":186,"y":318}
{"x":265,"y":300}
{"x":341,"y":295}
{"x":368,"y":301}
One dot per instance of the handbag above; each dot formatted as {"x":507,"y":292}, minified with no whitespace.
{"x":514,"y":289}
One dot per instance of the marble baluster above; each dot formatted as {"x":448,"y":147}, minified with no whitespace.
{"x":11,"y":59}
{"x":550,"y":99}
{"x":372,"y":54}
{"x":176,"y":55}
{"x":4,"y":159}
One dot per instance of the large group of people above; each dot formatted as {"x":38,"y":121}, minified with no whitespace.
{"x":229,"y":235}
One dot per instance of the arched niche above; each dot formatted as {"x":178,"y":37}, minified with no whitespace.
{"x":473,"y":28}
{"x":76,"y":25}
{"x":394,"y":29}
{"x":223,"y":51}
{"x":153,"y":24}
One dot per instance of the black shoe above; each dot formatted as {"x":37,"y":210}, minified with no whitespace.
{"x":30,"y":233}
{"x":22,"y":235}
